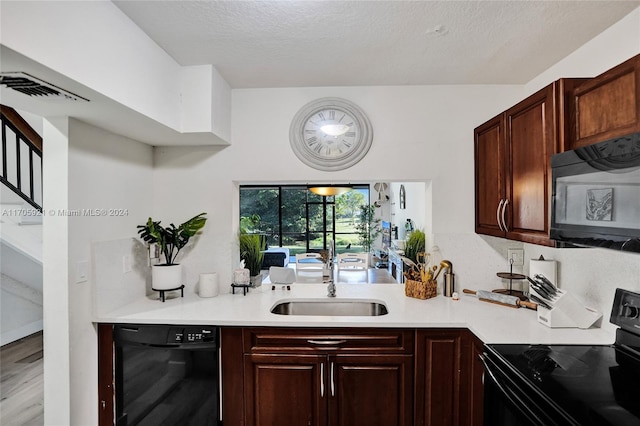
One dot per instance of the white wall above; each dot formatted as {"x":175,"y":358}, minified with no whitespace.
{"x":85,"y":168}
{"x":421,"y":134}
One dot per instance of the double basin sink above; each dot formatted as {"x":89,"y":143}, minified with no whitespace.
{"x":330,"y":307}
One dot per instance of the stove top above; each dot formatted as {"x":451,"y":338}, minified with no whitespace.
{"x":581,"y":384}
{"x":593,"y":385}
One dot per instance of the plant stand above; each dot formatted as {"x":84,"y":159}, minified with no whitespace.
{"x":162,"y":292}
{"x":245,"y":288}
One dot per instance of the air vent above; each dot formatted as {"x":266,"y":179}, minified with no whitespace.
{"x":31,"y":86}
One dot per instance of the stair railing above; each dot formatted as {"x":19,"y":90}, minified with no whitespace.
{"x":21,"y":157}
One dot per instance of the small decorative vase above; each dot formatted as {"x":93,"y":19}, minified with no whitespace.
{"x":256,"y":280}
{"x":166,"y":277}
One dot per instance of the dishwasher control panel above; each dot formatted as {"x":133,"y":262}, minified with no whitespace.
{"x":191,"y":334}
{"x":158,"y":335}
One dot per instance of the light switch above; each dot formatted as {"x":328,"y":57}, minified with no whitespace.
{"x":82,"y":271}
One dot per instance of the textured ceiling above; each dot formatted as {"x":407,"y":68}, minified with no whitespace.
{"x":349,"y":43}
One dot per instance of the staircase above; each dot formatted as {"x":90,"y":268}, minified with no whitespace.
{"x":20,"y":228}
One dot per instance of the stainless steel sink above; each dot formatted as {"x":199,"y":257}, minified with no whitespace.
{"x":331,"y":307}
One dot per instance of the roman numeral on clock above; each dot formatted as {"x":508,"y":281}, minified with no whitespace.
{"x":312,"y":140}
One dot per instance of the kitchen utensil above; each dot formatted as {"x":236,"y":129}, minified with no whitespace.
{"x":444,"y":264}
{"x":501,"y":299}
{"x":539,"y":301}
{"x":542,"y":290}
{"x":551,"y":289}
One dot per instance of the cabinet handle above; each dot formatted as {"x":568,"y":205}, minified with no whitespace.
{"x":498,"y":215}
{"x":322,"y":380}
{"x":326,"y":342}
{"x":504,"y":209}
{"x":333,"y":389}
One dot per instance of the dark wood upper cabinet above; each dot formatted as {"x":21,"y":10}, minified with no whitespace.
{"x":513,"y":165}
{"x":606,"y":106}
{"x":489,"y":176}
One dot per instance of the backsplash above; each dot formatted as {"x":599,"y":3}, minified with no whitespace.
{"x":591,"y":274}
{"x":114,"y":288}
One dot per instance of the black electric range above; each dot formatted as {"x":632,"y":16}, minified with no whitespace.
{"x":568,"y":384}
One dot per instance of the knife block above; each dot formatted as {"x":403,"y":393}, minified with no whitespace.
{"x":566,"y":312}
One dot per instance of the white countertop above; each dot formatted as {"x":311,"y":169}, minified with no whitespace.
{"x":489,"y":322}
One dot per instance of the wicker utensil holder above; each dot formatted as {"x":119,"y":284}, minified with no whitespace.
{"x":421,"y":289}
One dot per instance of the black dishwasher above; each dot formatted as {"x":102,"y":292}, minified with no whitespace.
{"x":166,"y":375}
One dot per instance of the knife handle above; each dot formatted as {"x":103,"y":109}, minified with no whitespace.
{"x":529,"y":305}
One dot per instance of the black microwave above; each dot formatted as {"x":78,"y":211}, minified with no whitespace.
{"x":596,"y":195}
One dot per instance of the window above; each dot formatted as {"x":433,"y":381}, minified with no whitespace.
{"x":294,"y":217}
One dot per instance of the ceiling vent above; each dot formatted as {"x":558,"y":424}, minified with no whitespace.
{"x":29,"y":85}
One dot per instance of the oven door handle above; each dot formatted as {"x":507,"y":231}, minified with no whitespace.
{"x":513,"y":399}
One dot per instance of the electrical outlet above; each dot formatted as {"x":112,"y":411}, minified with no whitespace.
{"x":516,"y":255}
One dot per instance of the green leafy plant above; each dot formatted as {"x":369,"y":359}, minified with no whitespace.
{"x":415,"y":244}
{"x":171,"y":239}
{"x":252,"y":248}
{"x":368,"y":227}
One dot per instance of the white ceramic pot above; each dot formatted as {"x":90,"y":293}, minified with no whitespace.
{"x":166,"y":277}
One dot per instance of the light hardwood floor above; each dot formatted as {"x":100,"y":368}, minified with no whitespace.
{"x":21,"y":383}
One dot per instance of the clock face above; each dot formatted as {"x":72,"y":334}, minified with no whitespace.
{"x":330,"y":134}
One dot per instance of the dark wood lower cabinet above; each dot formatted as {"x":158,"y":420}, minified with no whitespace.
{"x":351,"y":377}
{"x":319,"y":377}
{"x":448,"y":383}
{"x":337,"y":377}
{"x":371,"y":390}
{"x":285,"y":389}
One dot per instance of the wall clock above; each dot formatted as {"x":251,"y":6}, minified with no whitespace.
{"x":330,"y":134}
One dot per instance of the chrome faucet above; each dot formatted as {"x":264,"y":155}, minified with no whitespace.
{"x":331,"y":288}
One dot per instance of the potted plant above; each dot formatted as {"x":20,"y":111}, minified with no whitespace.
{"x":170,"y":240}
{"x":252,"y":248}
{"x":414,"y":245}
{"x":368,"y":227}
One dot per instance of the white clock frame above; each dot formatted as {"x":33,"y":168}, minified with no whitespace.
{"x":330,"y":161}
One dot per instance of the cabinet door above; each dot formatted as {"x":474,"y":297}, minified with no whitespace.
{"x":489,"y":176}
{"x":531,"y":140}
{"x":371,"y":390}
{"x":607,"y":106}
{"x":285,"y":390}
{"x":106,"y":386}
{"x":437,"y":384}
{"x":471,"y":381}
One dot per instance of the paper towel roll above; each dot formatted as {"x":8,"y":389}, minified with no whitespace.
{"x":545,"y":267}
{"x":209,"y":285}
